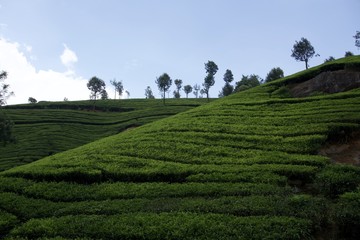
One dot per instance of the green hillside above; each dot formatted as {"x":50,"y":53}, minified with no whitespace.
{"x":47,"y":128}
{"x":241,"y":167}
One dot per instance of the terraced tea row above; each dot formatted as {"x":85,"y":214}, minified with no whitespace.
{"x":44,"y":129}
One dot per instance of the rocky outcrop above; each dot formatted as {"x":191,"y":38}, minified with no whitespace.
{"x":327,"y":82}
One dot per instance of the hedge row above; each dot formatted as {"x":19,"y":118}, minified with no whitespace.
{"x":165,"y":226}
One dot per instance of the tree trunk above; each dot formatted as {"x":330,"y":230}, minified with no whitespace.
{"x":306,"y":64}
{"x":164,"y":96}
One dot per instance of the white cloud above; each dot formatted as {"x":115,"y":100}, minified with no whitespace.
{"x":68,"y":57}
{"x":28,"y":48}
{"x":27,"y":81}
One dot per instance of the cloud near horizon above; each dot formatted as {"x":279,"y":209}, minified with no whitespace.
{"x":68,"y":57}
{"x":44,"y":85}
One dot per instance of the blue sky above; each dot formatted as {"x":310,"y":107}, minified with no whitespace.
{"x":51,"y":48}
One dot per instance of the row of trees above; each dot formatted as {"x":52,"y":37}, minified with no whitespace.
{"x":97,"y":87}
{"x":302,"y":51}
{"x":164,"y":83}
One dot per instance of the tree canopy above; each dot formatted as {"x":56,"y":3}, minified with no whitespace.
{"x":303,"y":51}
{"x":247,"y":82}
{"x":228,"y":76}
{"x":196,"y":89}
{"x":228,"y":88}
{"x":119,"y":88}
{"x":187,"y":89}
{"x":211,"y":69}
{"x":274,"y":74}
{"x":178,"y":84}
{"x":96,"y":86}
{"x":148,"y":93}
{"x":32,"y":100}
{"x":164,"y":83}
{"x":357,"y":39}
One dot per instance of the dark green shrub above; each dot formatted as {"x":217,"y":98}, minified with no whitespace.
{"x":347,"y":214}
{"x":337,"y":179}
{"x":7,"y":221}
{"x":165,"y":226}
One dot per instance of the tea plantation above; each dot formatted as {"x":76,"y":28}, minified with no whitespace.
{"x":47,"y":128}
{"x":241,"y":167}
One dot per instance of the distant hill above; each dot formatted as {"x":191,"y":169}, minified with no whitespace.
{"x":47,"y":128}
{"x":241,"y":167}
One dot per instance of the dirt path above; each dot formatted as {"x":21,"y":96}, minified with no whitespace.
{"x":343,"y":151}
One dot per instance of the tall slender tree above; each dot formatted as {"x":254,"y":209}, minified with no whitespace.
{"x":211,"y":69}
{"x":164,"y":83}
{"x":118,"y":86}
{"x":148,"y":93}
{"x":178,"y":84}
{"x":196,"y":89}
{"x":228,"y":88}
{"x":357,"y":39}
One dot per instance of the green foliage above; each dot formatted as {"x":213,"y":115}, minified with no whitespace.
{"x":236,"y":168}
{"x":46,"y":128}
{"x":7,"y":222}
{"x":6,"y":129}
{"x":228,"y":76}
{"x":178,"y":84}
{"x":247,"y":82}
{"x":331,"y":58}
{"x":303,"y":51}
{"x":165,"y":226}
{"x":339,"y":64}
{"x":119,"y":88}
{"x":164,"y":83}
{"x":104,"y":95}
{"x":211,"y":69}
{"x":196,"y":88}
{"x":148,"y":93}
{"x":348,"y":54}
{"x":226,"y":90}
{"x":32,"y":100}
{"x":187,"y":89}
{"x":357,"y":39}
{"x":274,"y":74}
{"x":96,"y":86}
{"x":347,"y":215}
{"x":338,"y":179}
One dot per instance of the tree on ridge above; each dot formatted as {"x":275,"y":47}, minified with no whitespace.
{"x":119,"y":88}
{"x":164,"y":83}
{"x":211,"y":69}
{"x":187,"y":89}
{"x":275,"y":73}
{"x":303,"y":51}
{"x":96,"y":86}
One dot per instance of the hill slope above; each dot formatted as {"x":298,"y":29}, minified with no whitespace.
{"x":242,"y":167}
{"x":47,"y":128}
